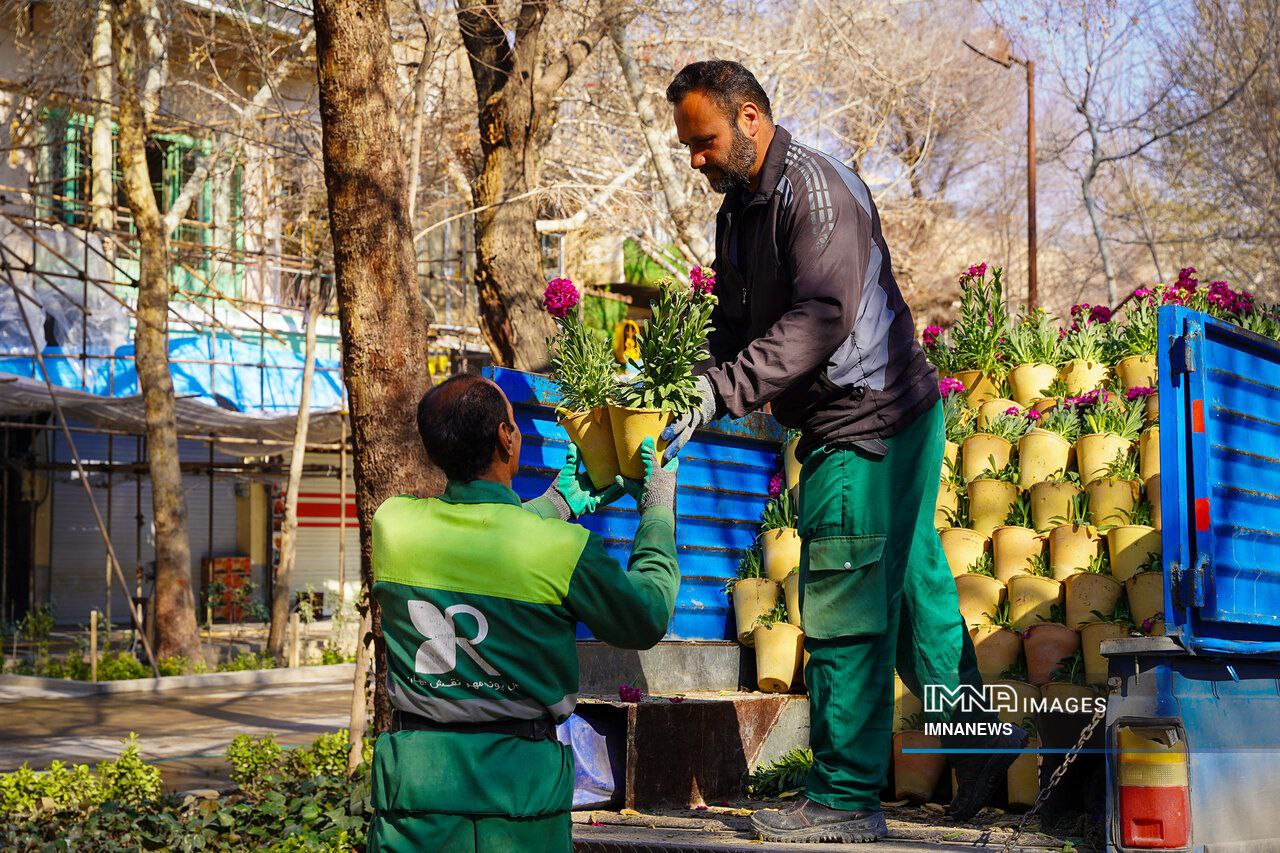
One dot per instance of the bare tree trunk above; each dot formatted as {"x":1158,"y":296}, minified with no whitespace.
{"x":101,"y":156}
{"x":1099,"y":235}
{"x":379,"y":301}
{"x":359,"y":699}
{"x":175,"y":613}
{"x":289,"y":529}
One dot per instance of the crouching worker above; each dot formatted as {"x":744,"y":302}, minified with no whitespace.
{"x":480,"y":598}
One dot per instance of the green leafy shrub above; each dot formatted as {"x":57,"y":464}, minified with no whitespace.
{"x":786,"y":774}
{"x":127,"y":779}
{"x":253,"y":761}
{"x":247,"y":661}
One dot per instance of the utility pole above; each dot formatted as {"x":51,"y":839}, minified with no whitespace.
{"x":995,"y":47}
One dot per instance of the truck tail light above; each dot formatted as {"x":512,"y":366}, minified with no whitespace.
{"x":1155,"y":800}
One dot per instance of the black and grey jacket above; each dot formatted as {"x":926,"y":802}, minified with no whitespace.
{"x":809,"y":315}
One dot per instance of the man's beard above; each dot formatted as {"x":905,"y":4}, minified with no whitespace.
{"x":735,"y":172}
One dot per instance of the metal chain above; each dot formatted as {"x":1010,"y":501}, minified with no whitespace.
{"x":1056,"y":777}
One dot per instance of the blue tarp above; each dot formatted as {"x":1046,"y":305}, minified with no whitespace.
{"x":250,"y":379}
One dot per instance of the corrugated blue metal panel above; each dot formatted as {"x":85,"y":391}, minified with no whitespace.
{"x":1220,"y":479}
{"x":722,"y":489}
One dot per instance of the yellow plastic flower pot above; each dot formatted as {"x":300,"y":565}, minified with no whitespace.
{"x":1137,"y":371}
{"x":989,"y":504}
{"x":791,"y":464}
{"x":630,"y":428}
{"x":1094,"y":452}
{"x":963,"y":547}
{"x":791,"y":594}
{"x":1042,"y":454}
{"x":993,"y":409}
{"x":1088,"y":591}
{"x":778,"y":650}
{"x":1050,"y":501}
{"x":1031,"y":599}
{"x":1146,"y":595}
{"x":1072,"y":548}
{"x":1044,"y":645}
{"x":1081,"y":376}
{"x":948,"y":502}
{"x":950,"y":455}
{"x":1149,"y":453}
{"x":1044,"y":404}
{"x":752,"y":598}
{"x":978,"y":452}
{"x":1091,"y":639}
{"x":1023,"y":777}
{"x":781,"y":552}
{"x":979,"y":387}
{"x":1030,"y":382}
{"x":1025,"y":692}
{"x":1153,"y":408}
{"x":1152,"y":492}
{"x":1014,"y":549}
{"x":1111,"y":501}
{"x":980,"y":597}
{"x":1131,"y":545}
{"x":905,"y":704}
{"x":997,"y":649}
{"x":916,"y":774}
{"x":592,"y":432}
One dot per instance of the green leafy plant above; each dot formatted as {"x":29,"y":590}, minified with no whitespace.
{"x":1153,"y":563}
{"x":1016,"y":671}
{"x":1123,"y":467}
{"x":1038,"y":566}
{"x":1119,"y":615}
{"x":1007,"y":474}
{"x":958,"y":517}
{"x":779,"y":513}
{"x":248,"y":661}
{"x":126,"y":779}
{"x":1125,"y":418}
{"x":1143,"y":513}
{"x":774,"y":616}
{"x":985,"y":565}
{"x":750,"y":565}
{"x":913,"y":722}
{"x":786,"y":774}
{"x":1069,"y":670}
{"x":958,"y":418}
{"x":1001,"y":618}
{"x":1020,"y":512}
{"x":1085,"y":340}
{"x":582,"y":365}
{"x":1033,"y":340}
{"x":1009,"y":427}
{"x":975,"y":338}
{"x":1077,"y":511}
{"x":1137,"y":334}
{"x":1057,"y":615}
{"x":1062,"y":421}
{"x":1100,"y":564}
{"x":672,"y":344}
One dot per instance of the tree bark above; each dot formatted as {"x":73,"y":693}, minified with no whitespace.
{"x":289,"y":529}
{"x":384,"y":340}
{"x":101,"y":155}
{"x":176,"y":628}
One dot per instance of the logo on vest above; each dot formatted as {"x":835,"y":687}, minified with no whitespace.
{"x":439,"y":654}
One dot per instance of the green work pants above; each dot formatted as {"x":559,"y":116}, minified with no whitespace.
{"x":470,"y":793}
{"x":875,"y":591}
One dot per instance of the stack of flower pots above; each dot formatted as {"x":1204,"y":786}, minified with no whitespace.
{"x":1048,"y":509}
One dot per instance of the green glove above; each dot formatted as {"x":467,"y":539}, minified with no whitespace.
{"x":573,"y":493}
{"x":659,"y":485}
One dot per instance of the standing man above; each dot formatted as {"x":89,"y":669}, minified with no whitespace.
{"x":480,"y":599}
{"x":811,"y":320}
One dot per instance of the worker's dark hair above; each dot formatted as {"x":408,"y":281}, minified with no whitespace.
{"x":458,"y":421}
{"x":729,"y":84}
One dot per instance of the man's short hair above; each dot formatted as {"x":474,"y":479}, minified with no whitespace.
{"x":458,"y":421}
{"x":728,"y":84}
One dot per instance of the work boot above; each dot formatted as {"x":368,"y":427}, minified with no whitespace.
{"x":805,"y":821}
{"x":978,"y":774}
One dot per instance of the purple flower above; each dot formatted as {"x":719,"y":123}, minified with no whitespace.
{"x":560,"y":297}
{"x":930,"y":336}
{"x":978,"y":270}
{"x":702,"y":280}
{"x":1186,"y":274}
{"x":775,"y":485}
{"x":1013,"y":410}
{"x":627,"y":693}
{"x":1149,"y":623}
{"x":1100,"y":314}
{"x":1033,"y":415}
{"x":950,"y":385}
{"x":1138,"y":393}
{"x":1143,"y":293}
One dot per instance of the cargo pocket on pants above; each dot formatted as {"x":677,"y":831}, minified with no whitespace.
{"x":845,"y":590}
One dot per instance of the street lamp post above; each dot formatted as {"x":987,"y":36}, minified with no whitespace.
{"x":995,"y":47}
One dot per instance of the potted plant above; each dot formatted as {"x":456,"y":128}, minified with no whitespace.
{"x":1105,"y":626}
{"x":585,"y":375}
{"x":978,"y":590}
{"x":753,"y":595}
{"x":905,"y":703}
{"x":1110,"y":427}
{"x":996,"y":407}
{"x":962,"y":545}
{"x":1023,"y":776}
{"x":1134,"y":344}
{"x":1015,"y":544}
{"x":1033,"y":351}
{"x":992,"y":495}
{"x":779,"y":536}
{"x":1047,"y":643}
{"x":1053,"y":498}
{"x":1084,"y":350}
{"x":992,"y":447}
{"x":957,"y":419}
{"x":996,"y":643}
{"x":1015,"y":678}
{"x":1056,"y":392}
{"x":1112,"y":498}
{"x":1047,"y":448}
{"x":1145,"y":591}
{"x":949,"y":495}
{"x":1149,"y":453}
{"x":1132,"y":545}
{"x":672,"y":344}
{"x":1073,"y":542}
{"x":791,"y":596}
{"x":791,"y":464}
{"x":1067,"y":681}
{"x":916,"y":774}
{"x":939,"y":352}
{"x":1094,"y":589}
{"x":779,"y":646}
{"x":975,"y":338}
{"x":1150,"y":402}
{"x":1033,"y":596}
